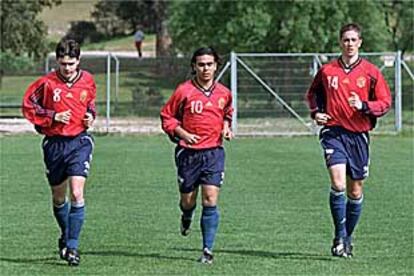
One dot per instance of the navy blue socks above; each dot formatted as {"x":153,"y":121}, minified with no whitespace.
{"x":209,"y":225}
{"x":337,"y":203}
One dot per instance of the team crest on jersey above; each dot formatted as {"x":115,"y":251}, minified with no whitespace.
{"x":221,"y":103}
{"x":361,"y":81}
{"x":83,"y":95}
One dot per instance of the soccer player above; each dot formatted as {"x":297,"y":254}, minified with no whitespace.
{"x":346,"y":97}
{"x":197,"y":116}
{"x":61,"y":106}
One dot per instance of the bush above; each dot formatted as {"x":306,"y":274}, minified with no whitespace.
{"x":84,"y":32}
{"x":146,"y":101}
{"x":12,"y":64}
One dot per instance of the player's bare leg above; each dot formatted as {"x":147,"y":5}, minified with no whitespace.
{"x":337,"y":203}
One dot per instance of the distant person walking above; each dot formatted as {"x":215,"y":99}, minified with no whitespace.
{"x":139,"y":37}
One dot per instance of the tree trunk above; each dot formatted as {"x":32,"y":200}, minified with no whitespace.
{"x":163,"y":40}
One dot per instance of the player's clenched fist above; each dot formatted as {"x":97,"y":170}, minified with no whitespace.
{"x":322,"y":118}
{"x":355,"y":101}
{"x":88,"y":120}
{"x":63,"y":117}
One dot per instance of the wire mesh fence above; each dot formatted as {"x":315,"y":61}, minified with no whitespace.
{"x":129,"y":87}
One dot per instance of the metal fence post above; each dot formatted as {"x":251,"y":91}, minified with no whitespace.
{"x":233,"y":87}
{"x":108,"y":91}
{"x":47,"y":64}
{"x":398,"y":103}
{"x":116,"y":81}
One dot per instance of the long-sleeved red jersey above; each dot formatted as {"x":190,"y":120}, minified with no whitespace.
{"x":333,"y":85}
{"x":52,"y":94}
{"x":198,"y":113}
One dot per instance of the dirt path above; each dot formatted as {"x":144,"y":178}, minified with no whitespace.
{"x":116,"y":125}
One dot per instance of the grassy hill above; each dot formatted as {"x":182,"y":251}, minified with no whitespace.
{"x":125,"y":43}
{"x":58,"y":20}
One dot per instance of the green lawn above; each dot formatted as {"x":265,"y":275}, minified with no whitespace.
{"x":274,"y":211}
{"x":122,"y":44}
{"x":58,"y":18}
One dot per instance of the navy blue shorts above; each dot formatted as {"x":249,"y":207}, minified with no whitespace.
{"x":67,"y":156}
{"x":345,"y":147}
{"x":195,"y":167}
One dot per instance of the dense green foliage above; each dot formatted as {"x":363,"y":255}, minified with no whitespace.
{"x":122,"y":17}
{"x":274,"y":210}
{"x":119,"y":17}
{"x":243,"y":26}
{"x":22,"y":33}
{"x":399,"y":17}
{"x":288,"y":26}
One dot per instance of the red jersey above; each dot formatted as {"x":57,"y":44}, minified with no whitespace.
{"x":333,"y":85}
{"x":198,"y":112}
{"x":52,"y":94}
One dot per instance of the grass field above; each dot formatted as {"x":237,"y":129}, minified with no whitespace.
{"x":58,"y":18}
{"x":125,"y":43}
{"x":274,"y":211}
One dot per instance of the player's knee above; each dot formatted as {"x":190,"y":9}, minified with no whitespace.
{"x":338,"y":186}
{"x":188,"y":200}
{"x":187,"y":203}
{"x":58,"y":200}
{"x":77,"y":195}
{"x":355,"y":193}
{"x":209,"y":200}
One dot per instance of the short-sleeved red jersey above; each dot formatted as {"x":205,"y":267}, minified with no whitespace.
{"x":198,"y":113}
{"x":333,"y":85}
{"x":52,"y":94}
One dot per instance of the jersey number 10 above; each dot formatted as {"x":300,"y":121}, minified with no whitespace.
{"x":196,"y":107}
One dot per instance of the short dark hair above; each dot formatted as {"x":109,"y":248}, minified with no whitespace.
{"x":68,"y":47}
{"x":349,"y":27}
{"x":204,"y":51}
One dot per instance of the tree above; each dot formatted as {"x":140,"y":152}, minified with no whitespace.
{"x":226,"y":25}
{"x":400,"y":23}
{"x":22,"y":33}
{"x":277,"y":26}
{"x":122,"y":17}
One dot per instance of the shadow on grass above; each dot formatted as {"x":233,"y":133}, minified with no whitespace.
{"x":267,"y":254}
{"x":120,"y":253}
{"x":43,"y":261}
{"x":103,"y":253}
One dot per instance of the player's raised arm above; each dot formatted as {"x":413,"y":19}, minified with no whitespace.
{"x":380,"y":97}
{"x":90,"y":114}
{"x":228,"y":118}
{"x":32,"y":106}
{"x":315,"y":96}
{"x":171,"y":112}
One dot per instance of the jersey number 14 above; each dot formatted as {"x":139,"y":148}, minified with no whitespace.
{"x":333,"y":82}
